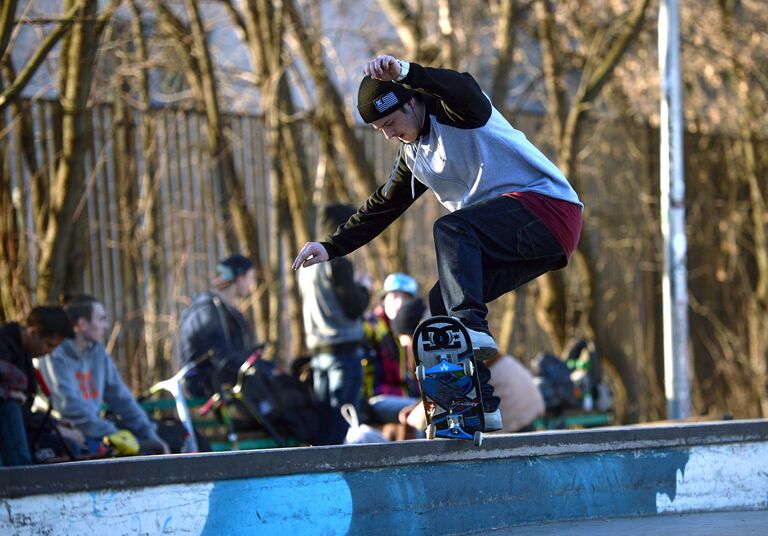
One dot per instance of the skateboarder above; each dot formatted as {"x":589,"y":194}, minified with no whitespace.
{"x":513,"y":215}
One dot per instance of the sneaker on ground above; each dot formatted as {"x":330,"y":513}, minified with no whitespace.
{"x":483,"y":344}
{"x":493,"y":422}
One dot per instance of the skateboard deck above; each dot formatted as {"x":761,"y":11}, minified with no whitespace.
{"x":447,"y":374}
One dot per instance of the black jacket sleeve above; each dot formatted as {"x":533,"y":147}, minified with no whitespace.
{"x":461,"y":101}
{"x":376,"y":214}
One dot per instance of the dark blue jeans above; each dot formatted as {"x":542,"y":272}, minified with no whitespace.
{"x":483,"y":252}
{"x":337,"y":379}
{"x":14,"y":449}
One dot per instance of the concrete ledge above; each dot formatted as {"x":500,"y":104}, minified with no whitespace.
{"x":177,"y":469}
{"x":379,"y":489}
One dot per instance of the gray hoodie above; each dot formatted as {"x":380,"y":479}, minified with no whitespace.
{"x":81,"y":382}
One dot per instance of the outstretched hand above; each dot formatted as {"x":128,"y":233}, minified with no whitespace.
{"x":384,"y":68}
{"x":311,"y":253}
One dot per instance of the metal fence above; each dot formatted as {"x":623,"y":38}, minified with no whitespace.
{"x":191,"y":223}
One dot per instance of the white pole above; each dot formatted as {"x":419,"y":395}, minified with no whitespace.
{"x":674,"y":281}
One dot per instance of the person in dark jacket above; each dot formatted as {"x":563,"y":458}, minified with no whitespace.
{"x":214,"y":326}
{"x":513,"y":214}
{"x":45,"y":328}
{"x":333,"y":304}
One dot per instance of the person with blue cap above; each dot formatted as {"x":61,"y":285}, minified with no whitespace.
{"x":398,"y":288}
{"x":513,"y":215}
{"x":213,"y":324}
{"x":389,"y":383}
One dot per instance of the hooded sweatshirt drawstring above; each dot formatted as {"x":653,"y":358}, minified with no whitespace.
{"x":394,"y":170}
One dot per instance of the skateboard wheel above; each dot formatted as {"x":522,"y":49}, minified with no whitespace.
{"x":430,"y":431}
{"x":420,"y":373}
{"x":478,"y":439}
{"x":469,"y":368}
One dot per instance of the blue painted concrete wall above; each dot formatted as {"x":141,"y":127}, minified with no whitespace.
{"x":477,"y":490}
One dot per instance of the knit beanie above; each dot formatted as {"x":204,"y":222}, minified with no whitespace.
{"x":333,"y":215}
{"x":375,"y":98}
{"x":232,"y":267}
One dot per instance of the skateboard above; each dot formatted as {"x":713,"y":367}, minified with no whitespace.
{"x":447,"y":375}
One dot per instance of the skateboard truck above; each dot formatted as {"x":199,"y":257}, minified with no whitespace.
{"x":454,"y":431}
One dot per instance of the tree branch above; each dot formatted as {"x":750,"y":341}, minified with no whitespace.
{"x":7,"y":16}
{"x":550,"y":52}
{"x":404,"y":21}
{"x":105,"y":17}
{"x":612,"y":57}
{"x":505,"y":44}
{"x":18,"y":85}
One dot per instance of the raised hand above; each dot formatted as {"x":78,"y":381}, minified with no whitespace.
{"x":384,"y":68}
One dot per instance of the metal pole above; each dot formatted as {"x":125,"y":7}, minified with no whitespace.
{"x":674,"y":281}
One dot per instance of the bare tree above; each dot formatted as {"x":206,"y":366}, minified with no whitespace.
{"x":566,"y":111}
{"x":60,"y":251}
{"x":505,"y":45}
{"x":14,"y":290}
{"x":240,"y":223}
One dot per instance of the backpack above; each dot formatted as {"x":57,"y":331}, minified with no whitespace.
{"x":46,"y":444}
{"x":556,"y":385}
{"x":282,"y":399}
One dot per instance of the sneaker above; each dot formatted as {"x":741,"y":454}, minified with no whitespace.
{"x":483,"y":345}
{"x":493,"y":422}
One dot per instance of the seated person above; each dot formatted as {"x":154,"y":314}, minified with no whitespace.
{"x":397,"y":290}
{"x":212,"y":325}
{"x":43,"y":331}
{"x":521,"y":399}
{"x":387,"y":407}
{"x":81,"y":376}
{"x":388,"y":371}
{"x":393,"y":408}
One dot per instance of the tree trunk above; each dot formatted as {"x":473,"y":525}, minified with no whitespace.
{"x":505,"y":44}
{"x":68,"y":188}
{"x":149,"y":212}
{"x":565,"y":122}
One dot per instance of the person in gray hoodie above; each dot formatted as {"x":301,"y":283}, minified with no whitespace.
{"x":82,"y":376}
{"x":513,"y":215}
{"x":333,"y":303}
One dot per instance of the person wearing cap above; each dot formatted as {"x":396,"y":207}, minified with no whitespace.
{"x":388,"y":379}
{"x":398,"y":289}
{"x":393,"y":376}
{"x":513,"y":216}
{"x":333,"y":303}
{"x":213,"y":324}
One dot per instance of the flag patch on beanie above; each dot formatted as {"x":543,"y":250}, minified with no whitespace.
{"x":385,"y":102}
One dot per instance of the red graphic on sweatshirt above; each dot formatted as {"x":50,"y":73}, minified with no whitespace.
{"x":87,"y":387}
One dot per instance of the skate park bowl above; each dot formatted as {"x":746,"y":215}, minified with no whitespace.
{"x":413,"y":487}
